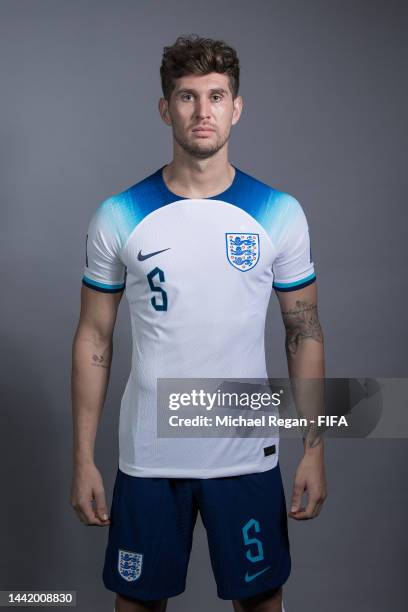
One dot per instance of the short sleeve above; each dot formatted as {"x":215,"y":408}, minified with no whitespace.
{"x":104,"y":270}
{"x":293,"y":267}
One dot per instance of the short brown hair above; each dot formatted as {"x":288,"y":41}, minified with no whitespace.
{"x":196,"y":55}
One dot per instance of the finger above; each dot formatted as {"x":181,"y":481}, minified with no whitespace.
{"x":297,"y":497}
{"x":78,"y":511}
{"x":318,"y":508}
{"x":316,"y":511}
{"x":93,"y":520}
{"x":307,"y":513}
{"x":101,"y":510}
{"x":311,"y":506}
{"x":319,"y":504}
{"x":88,"y":515}
{"x":296,"y":514}
{"x":302,"y":515}
{"x":82,"y":517}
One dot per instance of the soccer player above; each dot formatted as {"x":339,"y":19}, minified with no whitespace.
{"x":197,"y":246}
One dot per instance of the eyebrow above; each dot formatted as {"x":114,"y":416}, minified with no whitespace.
{"x":193,"y":91}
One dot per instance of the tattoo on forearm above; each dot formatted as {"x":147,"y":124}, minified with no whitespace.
{"x":301,"y":322}
{"x":100,"y":361}
{"x":313,"y":438}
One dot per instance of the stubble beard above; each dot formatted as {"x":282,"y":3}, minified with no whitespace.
{"x":200,"y":151}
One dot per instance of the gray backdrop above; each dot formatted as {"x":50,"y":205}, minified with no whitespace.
{"x":324,"y":87}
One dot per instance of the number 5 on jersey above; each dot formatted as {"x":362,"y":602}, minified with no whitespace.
{"x":157,"y":304}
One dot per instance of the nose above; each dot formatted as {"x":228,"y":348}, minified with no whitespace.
{"x":203,"y":108}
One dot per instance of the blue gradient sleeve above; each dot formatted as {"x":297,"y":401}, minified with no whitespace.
{"x":293,"y":267}
{"x":104,"y":271}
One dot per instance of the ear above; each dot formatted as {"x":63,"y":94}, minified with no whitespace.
{"x":236,"y":113}
{"x":164,"y":111}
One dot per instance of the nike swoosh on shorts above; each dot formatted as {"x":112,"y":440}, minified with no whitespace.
{"x":248,"y":578}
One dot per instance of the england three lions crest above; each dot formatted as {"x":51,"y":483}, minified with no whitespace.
{"x":242,"y":250}
{"x":130,"y":565}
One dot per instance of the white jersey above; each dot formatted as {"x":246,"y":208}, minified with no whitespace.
{"x":198,"y":274}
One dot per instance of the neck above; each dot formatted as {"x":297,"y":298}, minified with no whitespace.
{"x":198,"y":178}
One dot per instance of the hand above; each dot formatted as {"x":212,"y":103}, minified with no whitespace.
{"x":87,"y":488}
{"x":309,"y":477}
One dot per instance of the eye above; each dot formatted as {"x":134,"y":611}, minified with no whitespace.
{"x":217,"y":96}
{"x":183,"y":96}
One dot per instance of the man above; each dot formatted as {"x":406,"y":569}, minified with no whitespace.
{"x":198,"y":246}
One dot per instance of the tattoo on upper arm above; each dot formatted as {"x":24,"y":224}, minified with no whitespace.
{"x":301,"y":322}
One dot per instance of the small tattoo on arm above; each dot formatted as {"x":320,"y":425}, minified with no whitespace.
{"x":301,"y":322}
{"x":98,"y":360}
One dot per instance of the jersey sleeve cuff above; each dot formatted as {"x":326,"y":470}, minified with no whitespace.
{"x":299,"y":284}
{"x":104,"y":287}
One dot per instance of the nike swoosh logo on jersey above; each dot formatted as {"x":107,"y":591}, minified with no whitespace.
{"x":143,"y":257}
{"x":248,"y":578}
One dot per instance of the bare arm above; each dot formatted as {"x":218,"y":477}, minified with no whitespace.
{"x":91,"y":361}
{"x":305,"y":357}
{"x":304,"y":335}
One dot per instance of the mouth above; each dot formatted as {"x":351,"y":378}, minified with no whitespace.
{"x":203,"y":132}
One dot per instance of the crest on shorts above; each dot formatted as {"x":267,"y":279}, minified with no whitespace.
{"x":242,"y":250}
{"x":129,"y":565}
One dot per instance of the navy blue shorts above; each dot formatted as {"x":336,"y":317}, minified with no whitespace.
{"x":151,"y":532}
